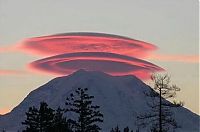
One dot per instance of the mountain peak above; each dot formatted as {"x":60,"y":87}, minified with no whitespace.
{"x":120,"y":99}
{"x":86,"y":74}
{"x":80,"y":71}
{"x":83,"y":71}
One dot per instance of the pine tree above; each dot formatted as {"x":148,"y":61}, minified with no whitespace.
{"x":60,"y":123}
{"x":46,"y":117}
{"x":3,"y":130}
{"x":39,"y":120}
{"x":116,"y":129}
{"x":112,"y":130}
{"x":126,"y":129}
{"x":32,"y":120}
{"x":160,"y":118}
{"x":88,"y":114}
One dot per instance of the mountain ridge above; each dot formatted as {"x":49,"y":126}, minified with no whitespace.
{"x":120,"y":97}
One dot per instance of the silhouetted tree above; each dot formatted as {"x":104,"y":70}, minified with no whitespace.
{"x":31,"y":121}
{"x":88,"y":114}
{"x":112,"y":130}
{"x":160,"y":118}
{"x":45,"y":119}
{"x":3,"y":130}
{"x":60,"y":123}
{"x":116,"y":129}
{"x":126,"y":129}
{"x":39,"y":120}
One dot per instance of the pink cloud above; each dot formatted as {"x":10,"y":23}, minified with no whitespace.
{"x":113,"y":54}
{"x":8,"y":49}
{"x":175,"y":58}
{"x":11,"y":72}
{"x":111,"y":63}
{"x":3,"y":49}
{"x":4,"y":111}
{"x":85,"y":42}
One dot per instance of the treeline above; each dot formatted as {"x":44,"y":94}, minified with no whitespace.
{"x":79,"y":103}
{"x":46,"y":119}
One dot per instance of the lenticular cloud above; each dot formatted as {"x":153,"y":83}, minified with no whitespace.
{"x":69,"y":52}
{"x":86,"y":42}
{"x":99,"y":61}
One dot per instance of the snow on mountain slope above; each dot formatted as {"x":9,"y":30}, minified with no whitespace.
{"x":121,"y":98}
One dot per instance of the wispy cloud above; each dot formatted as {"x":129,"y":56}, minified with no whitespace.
{"x":11,"y":72}
{"x":12,"y":48}
{"x":175,"y":58}
{"x":4,"y":111}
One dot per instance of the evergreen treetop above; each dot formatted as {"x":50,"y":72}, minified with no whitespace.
{"x":88,"y":114}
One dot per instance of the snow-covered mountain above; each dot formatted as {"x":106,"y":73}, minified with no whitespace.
{"x":121,"y":98}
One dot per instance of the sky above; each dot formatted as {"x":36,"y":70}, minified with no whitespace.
{"x":169,"y":28}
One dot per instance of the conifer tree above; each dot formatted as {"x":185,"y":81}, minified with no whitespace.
{"x":126,"y":129}
{"x":60,"y":123}
{"x":160,"y":118}
{"x":39,"y":120}
{"x":112,"y":130}
{"x":32,"y":120}
{"x":116,"y":129}
{"x":3,"y":130}
{"x":88,"y":115}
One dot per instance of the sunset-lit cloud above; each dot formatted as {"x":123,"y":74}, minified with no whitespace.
{"x":111,"y":63}
{"x":113,"y":54}
{"x":3,"y":49}
{"x":4,"y":111}
{"x":7,"y":72}
{"x":85,"y":42}
{"x":68,"y":52}
{"x":11,"y":48}
{"x":175,"y":58}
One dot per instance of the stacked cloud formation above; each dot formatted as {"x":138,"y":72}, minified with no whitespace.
{"x":69,"y":52}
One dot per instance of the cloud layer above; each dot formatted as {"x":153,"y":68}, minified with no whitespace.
{"x":175,"y":58}
{"x":68,"y":52}
{"x":86,"y":42}
{"x":9,"y":72}
{"x":111,"y":63}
